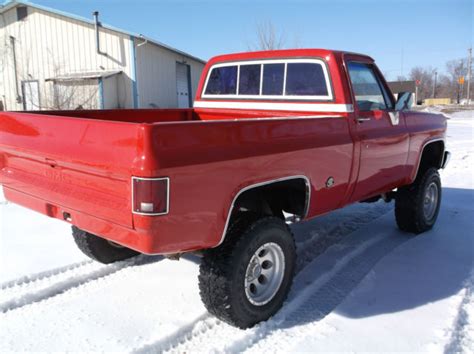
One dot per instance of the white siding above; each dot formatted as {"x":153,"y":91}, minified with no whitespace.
{"x":82,"y":94}
{"x":110,"y":92}
{"x":3,"y":46}
{"x":156,"y":75}
{"x":49,"y":45}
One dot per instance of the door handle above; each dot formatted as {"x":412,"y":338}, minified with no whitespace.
{"x":362,"y":120}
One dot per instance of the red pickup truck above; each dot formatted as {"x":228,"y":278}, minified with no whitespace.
{"x":274,"y":137}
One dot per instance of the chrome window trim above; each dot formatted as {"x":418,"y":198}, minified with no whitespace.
{"x":260,"y":184}
{"x":277,"y":106}
{"x":283,"y":96}
{"x":167,"y":179}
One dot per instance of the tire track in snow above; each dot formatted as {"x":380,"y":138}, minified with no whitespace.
{"x":35,"y":292}
{"x":309,"y":302}
{"x":203,"y":333}
{"x":43,"y":275}
{"x":35,"y":288}
{"x":319,"y":300}
{"x":462,"y":336}
{"x":337,"y":226}
{"x":197,"y":328}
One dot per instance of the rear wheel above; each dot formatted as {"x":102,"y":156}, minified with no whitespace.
{"x":417,"y":205}
{"x":247,"y":278}
{"x":100,"y":249}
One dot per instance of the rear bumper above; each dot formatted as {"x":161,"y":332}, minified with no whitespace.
{"x":131,"y":238}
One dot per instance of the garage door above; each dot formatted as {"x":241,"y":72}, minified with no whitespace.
{"x":183,"y":85}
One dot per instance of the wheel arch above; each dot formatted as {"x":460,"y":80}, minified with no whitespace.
{"x":255,"y":193}
{"x":432,"y":155}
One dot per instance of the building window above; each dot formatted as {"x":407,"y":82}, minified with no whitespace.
{"x":21,"y":12}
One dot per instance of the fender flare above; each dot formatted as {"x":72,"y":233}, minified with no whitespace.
{"x":420,"y":155}
{"x":265,"y":183}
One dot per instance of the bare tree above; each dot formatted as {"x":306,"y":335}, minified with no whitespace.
{"x":3,"y":63}
{"x":3,"y":43}
{"x":456,"y":69}
{"x":425,"y":78}
{"x":444,"y":87}
{"x":3,"y":52}
{"x":58,"y":94}
{"x":268,"y":38}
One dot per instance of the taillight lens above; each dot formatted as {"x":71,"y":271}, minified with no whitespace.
{"x":150,"y":195}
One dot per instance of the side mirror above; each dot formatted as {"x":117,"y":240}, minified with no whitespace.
{"x":404,"y":101}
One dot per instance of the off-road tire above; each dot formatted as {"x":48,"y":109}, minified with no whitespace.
{"x":409,"y":202}
{"x":100,"y":249}
{"x":223,"y":269}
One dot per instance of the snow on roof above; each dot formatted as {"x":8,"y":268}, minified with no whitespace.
{"x":13,"y":3}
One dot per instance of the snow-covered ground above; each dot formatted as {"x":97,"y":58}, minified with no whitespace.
{"x":362,"y":285}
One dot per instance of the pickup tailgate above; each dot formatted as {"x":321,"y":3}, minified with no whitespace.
{"x":71,"y":163}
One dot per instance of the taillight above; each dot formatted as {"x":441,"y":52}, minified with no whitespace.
{"x":150,"y":196}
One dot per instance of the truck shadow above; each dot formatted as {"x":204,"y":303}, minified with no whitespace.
{"x":355,"y":263}
{"x":415,"y":270}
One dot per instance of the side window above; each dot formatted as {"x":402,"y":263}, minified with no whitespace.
{"x":273,"y":78}
{"x":368,"y":91}
{"x":305,"y":79}
{"x":222,"y":81}
{"x":249,"y":79}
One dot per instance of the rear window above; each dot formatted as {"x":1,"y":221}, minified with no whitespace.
{"x":222,"y":81}
{"x":271,"y":79}
{"x":305,"y":79}
{"x":249,"y":79}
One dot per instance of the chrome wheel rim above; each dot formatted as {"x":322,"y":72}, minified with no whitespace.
{"x":264,"y":274}
{"x":430,"y":201}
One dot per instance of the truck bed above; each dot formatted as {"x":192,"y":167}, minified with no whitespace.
{"x":80,"y":163}
{"x":128,"y":115}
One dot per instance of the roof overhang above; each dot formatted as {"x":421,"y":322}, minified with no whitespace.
{"x":87,"y":75}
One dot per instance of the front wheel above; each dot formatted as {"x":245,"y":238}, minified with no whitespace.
{"x":417,"y":205}
{"x":247,"y":278}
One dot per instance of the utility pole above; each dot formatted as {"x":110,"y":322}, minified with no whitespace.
{"x":434,"y":84}
{"x":469,"y":64}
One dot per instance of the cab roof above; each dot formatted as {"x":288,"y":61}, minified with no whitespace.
{"x":283,"y":53}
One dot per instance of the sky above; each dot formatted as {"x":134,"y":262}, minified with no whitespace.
{"x":399,"y":35}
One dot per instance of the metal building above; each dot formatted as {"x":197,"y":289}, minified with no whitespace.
{"x":54,"y":60}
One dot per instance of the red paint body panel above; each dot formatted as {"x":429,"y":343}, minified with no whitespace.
{"x":82,"y":162}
